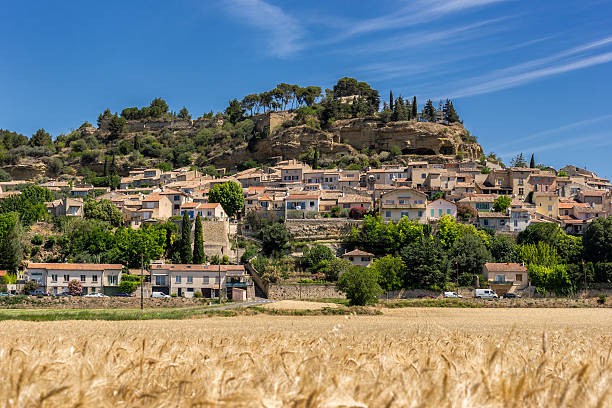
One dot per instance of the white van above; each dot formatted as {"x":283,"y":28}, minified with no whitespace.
{"x":485,"y":294}
{"x":159,"y":295}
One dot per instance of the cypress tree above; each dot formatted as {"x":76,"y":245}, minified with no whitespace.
{"x":532,"y":162}
{"x":391,"y":100}
{"x":415,"y":111}
{"x":198,"y":242}
{"x":185,"y":246}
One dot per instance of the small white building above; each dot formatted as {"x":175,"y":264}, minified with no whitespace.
{"x":53,"y":278}
{"x":359,"y":257}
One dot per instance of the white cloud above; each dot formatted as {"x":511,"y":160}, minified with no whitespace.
{"x":573,"y":59}
{"x":284,"y":33}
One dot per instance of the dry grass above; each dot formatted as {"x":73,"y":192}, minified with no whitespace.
{"x":299,"y":305}
{"x":407,"y":357}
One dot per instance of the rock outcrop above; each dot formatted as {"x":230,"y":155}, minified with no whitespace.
{"x":420,"y":138}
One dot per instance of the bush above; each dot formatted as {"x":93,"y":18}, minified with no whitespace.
{"x":357,"y":213}
{"x":197,"y":294}
{"x":37,"y":240}
{"x":602,"y":299}
{"x":30,"y":286}
{"x":75,"y":288}
{"x":360,"y":284}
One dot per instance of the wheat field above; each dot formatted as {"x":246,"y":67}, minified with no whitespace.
{"x":404,"y":358}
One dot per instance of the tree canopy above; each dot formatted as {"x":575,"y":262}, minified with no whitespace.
{"x":229,"y":195}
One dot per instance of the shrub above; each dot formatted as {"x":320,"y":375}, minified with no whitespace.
{"x":602,"y":299}
{"x":75,"y":288}
{"x":37,"y":240}
{"x":197,"y":294}
{"x":360,"y":284}
{"x":30,"y":286}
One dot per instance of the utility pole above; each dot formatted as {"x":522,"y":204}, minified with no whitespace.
{"x":219,"y":261}
{"x":141,"y":281}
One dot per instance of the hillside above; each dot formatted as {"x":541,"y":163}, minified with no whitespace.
{"x":344,"y":127}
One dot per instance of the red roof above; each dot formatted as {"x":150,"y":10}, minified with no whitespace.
{"x":504,"y":267}
{"x":74,"y":266}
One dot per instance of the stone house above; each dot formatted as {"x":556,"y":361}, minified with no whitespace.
{"x":211,"y":211}
{"x":495,"y":220}
{"x":546,"y":203}
{"x":512,"y":274}
{"x":155,"y":206}
{"x":403,"y":202}
{"x":72,"y":207}
{"x":211,"y":281}
{"x":53,"y":278}
{"x":479,"y":202}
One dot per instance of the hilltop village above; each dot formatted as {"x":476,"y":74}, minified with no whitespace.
{"x":296,"y":195}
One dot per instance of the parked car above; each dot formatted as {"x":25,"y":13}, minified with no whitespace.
{"x":38,"y":292}
{"x":159,"y":295}
{"x":452,"y":295}
{"x":123,"y":294}
{"x":62,"y":294}
{"x":511,"y":296}
{"x":96,"y":295}
{"x":485,"y":294}
{"x":2,"y":294}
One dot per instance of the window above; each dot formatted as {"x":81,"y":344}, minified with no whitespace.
{"x":405,"y":214}
{"x":112,"y":279}
{"x":519,"y":277}
{"x":94,"y":278}
{"x":365,"y":259}
{"x":550,"y":208}
{"x":312,"y":203}
{"x":53,"y":278}
{"x":66,"y":278}
{"x":448,"y":211}
{"x":485,"y":223}
{"x":82,"y":278}
{"x":189,"y":289}
{"x":176,"y":198}
{"x":521,"y":191}
{"x":431,"y":212}
{"x":500,"y":278}
{"x":521,"y":181}
{"x":440,"y":212}
{"x":388,"y":214}
{"x":205,"y":280}
{"x":423,"y":175}
{"x":420,"y":213}
{"x":160,"y":280}
{"x":190,"y":279}
{"x":177,"y":279}
{"x":389,"y":202}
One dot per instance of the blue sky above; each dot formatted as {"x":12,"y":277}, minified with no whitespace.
{"x":525,"y":76}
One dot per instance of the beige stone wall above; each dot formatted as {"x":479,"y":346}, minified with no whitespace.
{"x":282,"y":292}
{"x":216,"y":236}
{"x":329,"y":228}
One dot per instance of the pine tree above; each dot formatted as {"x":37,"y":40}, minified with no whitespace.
{"x":532,"y":162}
{"x":429,"y":111}
{"x":198,"y":242}
{"x":185,"y":245}
{"x":415,"y":111}
{"x":391,"y":100}
{"x":450,"y":115}
{"x":408,"y":110}
{"x":399,"y":113}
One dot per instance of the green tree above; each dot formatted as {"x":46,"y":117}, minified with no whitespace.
{"x":597,"y":240}
{"x":427,"y":264}
{"x":234,"y":111}
{"x":41,"y":139}
{"x":502,"y":203}
{"x":11,"y":249}
{"x":415,"y":110}
{"x":553,"y":278}
{"x":184,"y":114}
{"x":360,"y":284}
{"x":157,"y":108}
{"x":334,"y":268}
{"x":450,"y":115}
{"x":532,"y":164}
{"x":275,"y":238}
{"x":185,"y":246}
{"x":468,"y":255}
{"x":116,"y":126}
{"x":30,"y":204}
{"x":503,"y":248}
{"x":315,"y":255}
{"x":390,"y":270}
{"x":542,"y":254}
{"x":198,"y":242}
{"x":518,"y":161}
{"x":103,"y":210}
{"x":429,"y":111}
{"x":539,"y":232}
{"x":229,"y":195}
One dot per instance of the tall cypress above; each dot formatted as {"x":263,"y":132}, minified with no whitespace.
{"x":185,"y":247}
{"x":532,"y":162}
{"x":415,"y":112}
{"x":391,"y":100}
{"x":198,"y":242}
